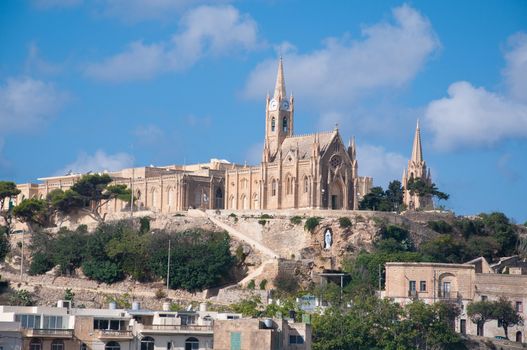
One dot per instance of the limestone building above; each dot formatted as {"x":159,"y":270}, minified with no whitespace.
{"x":297,"y":171}
{"x":416,"y":169}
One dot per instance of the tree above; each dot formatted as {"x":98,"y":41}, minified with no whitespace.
{"x":394,"y":195}
{"x":444,"y":248}
{"x":34,"y":212}
{"x":8,"y":190}
{"x":89,"y":194}
{"x":505,"y":314}
{"x":480,"y":312}
{"x":422,"y":188}
{"x":380,"y":200}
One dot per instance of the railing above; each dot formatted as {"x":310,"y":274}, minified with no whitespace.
{"x":448,"y":294}
{"x":113,"y":334}
{"x":412,"y":294}
{"x":36,"y":332}
{"x":178,"y":328}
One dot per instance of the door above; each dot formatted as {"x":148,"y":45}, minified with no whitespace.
{"x":463,"y":326}
{"x":518,"y":337}
{"x":334,"y":202}
{"x":446,"y":290}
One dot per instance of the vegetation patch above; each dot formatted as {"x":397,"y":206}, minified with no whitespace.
{"x":440,"y":226}
{"x":312,"y":223}
{"x":296,"y":220}
{"x":344,"y":222}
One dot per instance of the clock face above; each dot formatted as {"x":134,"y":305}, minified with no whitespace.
{"x":273,"y":105}
{"x":285,"y":105}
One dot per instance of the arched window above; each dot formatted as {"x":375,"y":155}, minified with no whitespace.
{"x":284,"y":124}
{"x":306,"y":184}
{"x":219,"y":199}
{"x":191,"y":344}
{"x":274,"y":186}
{"x":57,"y":345}
{"x":84,"y":346}
{"x":147,"y":343}
{"x":113,"y":345}
{"x":244,"y":202}
{"x":36,"y":344}
{"x":170,"y":197}
{"x":273,"y":122}
{"x":154,"y":198}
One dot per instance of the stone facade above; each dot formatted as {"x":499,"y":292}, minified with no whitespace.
{"x":461,"y":284}
{"x":297,"y":171}
{"x":417,"y":169}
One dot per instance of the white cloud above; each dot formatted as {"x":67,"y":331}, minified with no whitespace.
{"x":98,"y":162}
{"x":382,"y":165}
{"x":472,"y":116}
{"x":202,"y":122}
{"x":389,"y":54}
{"x":36,"y":63}
{"x":515,"y":72}
{"x":205,"y":31}
{"x":47,"y":4}
{"x":26,"y":104}
{"x":149,"y":134}
{"x":144,"y":10}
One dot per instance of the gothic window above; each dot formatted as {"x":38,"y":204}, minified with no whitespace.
{"x":274,"y":186}
{"x":273,"y":122}
{"x":335,"y":161}
{"x":306,"y":184}
{"x":284,"y":124}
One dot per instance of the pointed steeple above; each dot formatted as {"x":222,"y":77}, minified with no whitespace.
{"x":279,"y":90}
{"x":417,"y":151}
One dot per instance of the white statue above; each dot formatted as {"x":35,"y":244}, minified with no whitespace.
{"x":328,"y":241}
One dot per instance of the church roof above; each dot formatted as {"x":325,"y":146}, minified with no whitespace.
{"x":304,"y":143}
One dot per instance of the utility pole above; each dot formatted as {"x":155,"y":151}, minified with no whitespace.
{"x":132,"y":193}
{"x":168,"y":265}
{"x":22,"y":259}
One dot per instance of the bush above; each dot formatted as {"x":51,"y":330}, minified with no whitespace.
{"x":40,"y":264}
{"x":296,"y":220}
{"x":344,"y":222}
{"x":262,"y":222}
{"x":160,"y":294}
{"x":251,"y":284}
{"x":102,"y":271}
{"x":68,"y":294}
{"x":21,"y":297}
{"x":4,"y":246}
{"x":440,"y":226}
{"x":263,"y":284}
{"x":266,"y":216}
{"x":311,"y":224}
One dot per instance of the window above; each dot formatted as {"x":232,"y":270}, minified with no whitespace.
{"x":147,"y":343}
{"x":113,"y":345}
{"x":296,"y":339}
{"x":519,"y":306}
{"x":57,"y":345}
{"x":191,"y":344}
{"x":35,"y":344}
{"x":412,"y":286}
{"x":115,"y":325}
{"x":28,"y":321}
{"x":284,"y":124}
{"x":84,"y":346}
{"x":484,"y":298}
{"x":422,"y":286}
{"x":273,"y":187}
{"x":236,"y":341}
{"x":306,"y":185}
{"x":52,"y":322}
{"x":273,"y":122}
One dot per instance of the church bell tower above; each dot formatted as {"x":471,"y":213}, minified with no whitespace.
{"x":278,"y":117}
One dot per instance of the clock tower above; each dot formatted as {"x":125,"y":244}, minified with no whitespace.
{"x":278,"y":117}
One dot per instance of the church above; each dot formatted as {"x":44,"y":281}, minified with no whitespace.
{"x":297,"y":171}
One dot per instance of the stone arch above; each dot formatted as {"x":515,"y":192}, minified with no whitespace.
{"x":447,"y":283}
{"x":170,"y":198}
{"x":147,"y":343}
{"x":274,"y":187}
{"x":218,"y":198}
{"x":231,"y":202}
{"x":154,"y":193}
{"x":244,"y":202}
{"x":336,"y":194}
{"x":256,"y":201}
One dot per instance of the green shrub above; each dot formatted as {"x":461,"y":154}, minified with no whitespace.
{"x":40,"y":264}
{"x":240,"y":256}
{"x":262,"y":222}
{"x":160,"y":294}
{"x":344,"y":222}
{"x":232,"y":215}
{"x":251,"y":284}
{"x":263,"y":284}
{"x":266,"y":216}
{"x":311,"y":223}
{"x":440,"y":226}
{"x":296,"y":220}
{"x":4,"y":246}
{"x":102,"y":271}
{"x":144,"y":223}
{"x":68,"y":294}
{"x":21,"y":297}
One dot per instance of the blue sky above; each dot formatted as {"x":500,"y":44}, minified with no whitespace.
{"x":104,"y":84}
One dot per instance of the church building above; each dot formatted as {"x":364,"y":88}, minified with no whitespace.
{"x":417,"y":169}
{"x":297,"y":171}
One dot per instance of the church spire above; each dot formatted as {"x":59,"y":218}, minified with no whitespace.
{"x":279,"y":90}
{"x":417,"y":151}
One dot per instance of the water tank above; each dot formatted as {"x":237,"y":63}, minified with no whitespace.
{"x":268,"y":323}
{"x":136,"y":306}
{"x":112,"y":305}
{"x":203,"y":307}
{"x":166,"y":306}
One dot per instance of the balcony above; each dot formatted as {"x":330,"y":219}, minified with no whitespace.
{"x":448,"y":295}
{"x":181,"y":329}
{"x":111,"y":334}
{"x":48,"y":333}
{"x":412,"y":294}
